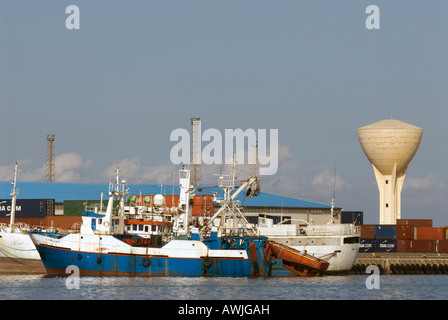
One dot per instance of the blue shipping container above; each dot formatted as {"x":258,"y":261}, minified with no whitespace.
{"x":367,"y":245}
{"x":386,"y":245}
{"x":27,"y":208}
{"x":352,"y":217}
{"x":385,"y":231}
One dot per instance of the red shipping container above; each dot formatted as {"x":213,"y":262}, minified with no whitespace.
{"x":429,"y":233}
{"x":445,"y":233}
{"x":405,"y":232}
{"x":443,"y":246}
{"x":415,"y":222}
{"x":203,"y":205}
{"x":367,"y":231}
{"x":62,"y":222}
{"x":417,"y":246}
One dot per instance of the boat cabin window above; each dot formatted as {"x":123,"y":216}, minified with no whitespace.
{"x":140,"y":227}
{"x":349,"y":240}
{"x":134,"y":227}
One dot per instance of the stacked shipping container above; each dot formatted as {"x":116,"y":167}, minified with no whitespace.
{"x":408,"y":235}
{"x":28,"y":208}
{"x":378,"y":238}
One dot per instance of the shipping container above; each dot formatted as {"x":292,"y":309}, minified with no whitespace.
{"x":443,"y":246}
{"x":27,"y":208}
{"x":405,"y":232}
{"x":385,"y":231}
{"x":385,"y":245}
{"x":367,"y":231}
{"x":38,"y":222}
{"x":352,"y":217}
{"x":415,"y":222}
{"x":367,"y":245}
{"x":417,"y":246}
{"x":203,"y":205}
{"x":63,"y":222}
{"x":445,"y":232}
{"x":429,"y":233}
{"x":60,"y":222}
{"x":77,"y":207}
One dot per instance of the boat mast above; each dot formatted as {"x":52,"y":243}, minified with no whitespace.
{"x":181,"y":226}
{"x":13,"y":201}
{"x":120,"y":193}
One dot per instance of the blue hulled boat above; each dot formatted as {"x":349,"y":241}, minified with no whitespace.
{"x":104,"y":247}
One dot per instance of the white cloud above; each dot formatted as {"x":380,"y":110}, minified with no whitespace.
{"x":70,"y":167}
{"x":135,"y":172}
{"x":327,"y":179}
{"x":425,"y":183}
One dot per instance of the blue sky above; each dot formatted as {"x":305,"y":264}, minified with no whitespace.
{"x":136,"y":70}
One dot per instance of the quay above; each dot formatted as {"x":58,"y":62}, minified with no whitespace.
{"x":402,"y":263}
{"x":21,"y":266}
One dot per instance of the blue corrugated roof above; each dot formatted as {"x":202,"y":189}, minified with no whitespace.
{"x":80,"y":191}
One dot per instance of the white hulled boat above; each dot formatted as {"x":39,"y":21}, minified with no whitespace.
{"x":336,"y":243}
{"x":15,"y":242}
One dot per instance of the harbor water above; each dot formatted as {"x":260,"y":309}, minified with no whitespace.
{"x":327,"y":287}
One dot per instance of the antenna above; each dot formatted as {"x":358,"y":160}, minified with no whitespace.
{"x":195,"y":161}
{"x":254,"y":158}
{"x":50,"y":165}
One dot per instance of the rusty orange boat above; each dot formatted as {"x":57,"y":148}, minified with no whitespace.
{"x":299,"y":263}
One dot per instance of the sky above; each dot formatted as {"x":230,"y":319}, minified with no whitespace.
{"x":114,"y":90}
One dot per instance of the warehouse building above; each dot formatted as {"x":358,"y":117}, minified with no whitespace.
{"x":70,"y":199}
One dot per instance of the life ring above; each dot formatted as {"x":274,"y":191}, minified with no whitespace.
{"x":207,"y":262}
{"x":146,"y":262}
{"x":79,"y":256}
{"x":106,"y":223}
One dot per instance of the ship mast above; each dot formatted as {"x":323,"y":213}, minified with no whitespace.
{"x":14,"y":194}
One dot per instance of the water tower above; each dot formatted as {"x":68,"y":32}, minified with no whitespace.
{"x":390,"y":146}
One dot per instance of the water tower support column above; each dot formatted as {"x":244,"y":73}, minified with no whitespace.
{"x":389,"y":187}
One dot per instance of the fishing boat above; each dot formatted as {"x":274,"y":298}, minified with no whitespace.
{"x":18,"y":253}
{"x":104,"y":247}
{"x":15,"y":243}
{"x":335,"y":243}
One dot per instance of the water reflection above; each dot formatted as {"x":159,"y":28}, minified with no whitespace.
{"x":349,"y":287}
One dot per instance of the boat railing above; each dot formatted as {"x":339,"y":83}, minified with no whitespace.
{"x":3,"y":227}
{"x":235,"y":232}
{"x":331,"y":230}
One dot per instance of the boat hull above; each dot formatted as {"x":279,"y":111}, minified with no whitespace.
{"x":105,"y":255}
{"x":17,"y":246}
{"x":341,"y":256}
{"x":56,"y":261}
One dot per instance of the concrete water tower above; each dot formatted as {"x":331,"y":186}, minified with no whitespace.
{"x":390,"y":146}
